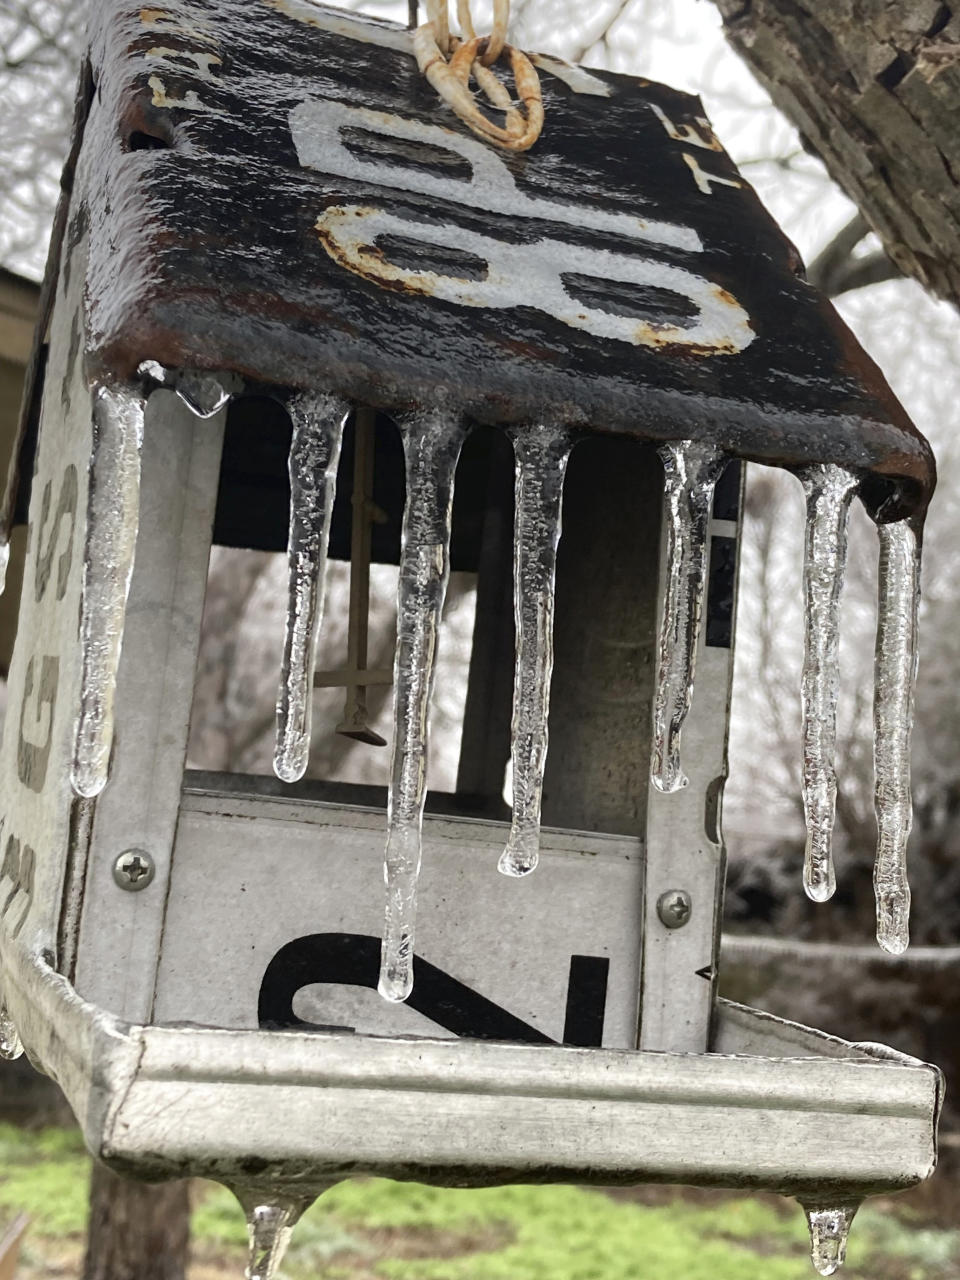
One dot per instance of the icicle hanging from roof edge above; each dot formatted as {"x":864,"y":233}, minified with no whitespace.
{"x":895,"y":674}
{"x":113,"y":516}
{"x":432,"y":440}
{"x":318,"y":421}
{"x":691,"y":470}
{"x":541,"y":454}
{"x":828,"y":490}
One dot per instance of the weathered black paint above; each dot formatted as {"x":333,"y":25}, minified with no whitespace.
{"x":203,"y":253}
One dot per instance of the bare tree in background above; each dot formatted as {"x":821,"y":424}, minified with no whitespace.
{"x":40,"y":42}
{"x":873,"y":86}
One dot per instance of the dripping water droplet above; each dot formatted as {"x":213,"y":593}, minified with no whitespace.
{"x":691,"y":470}
{"x":828,"y":490}
{"x":113,"y":514}
{"x":895,"y":674}
{"x":204,"y":394}
{"x":829,"y":1229}
{"x":541,"y":462}
{"x":314,"y":454}
{"x":11,"y":1046}
{"x":432,"y":441}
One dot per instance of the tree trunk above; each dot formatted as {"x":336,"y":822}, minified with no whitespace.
{"x":137,"y":1231}
{"x":874,"y":88}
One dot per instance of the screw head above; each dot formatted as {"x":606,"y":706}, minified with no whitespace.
{"x":674,"y":908}
{"x":134,"y":870}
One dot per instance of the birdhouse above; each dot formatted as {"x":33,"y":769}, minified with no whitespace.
{"x":285,"y":270}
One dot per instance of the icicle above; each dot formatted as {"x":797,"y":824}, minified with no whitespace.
{"x":829,"y":1229}
{"x":113,"y":511}
{"x":829,"y":490}
{"x":4,"y":563}
{"x":314,"y":453}
{"x":432,"y":443}
{"x":691,"y":470}
{"x":270,"y":1225}
{"x":11,"y":1046}
{"x":541,"y":461}
{"x":895,"y":673}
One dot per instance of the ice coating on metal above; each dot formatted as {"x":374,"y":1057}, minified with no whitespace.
{"x":317,"y":127}
{"x":895,"y":674}
{"x":829,"y":1229}
{"x":829,"y":490}
{"x":541,"y":461}
{"x":269,"y":1228}
{"x":691,"y":469}
{"x":432,"y":441}
{"x":113,"y":510}
{"x":314,"y":453}
{"x":11,"y":1046}
{"x":646,"y":241}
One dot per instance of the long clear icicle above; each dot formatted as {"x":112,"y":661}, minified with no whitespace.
{"x":829,"y":1230}
{"x":691,"y":470}
{"x":314,"y":453}
{"x":828,"y":490}
{"x":541,"y":454}
{"x":113,"y":514}
{"x":432,"y":441}
{"x":895,"y":674}
{"x":270,"y":1225}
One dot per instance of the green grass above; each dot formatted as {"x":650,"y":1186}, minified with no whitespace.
{"x":379,"y":1230}
{"x":44,"y":1174}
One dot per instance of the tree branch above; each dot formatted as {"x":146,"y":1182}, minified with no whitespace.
{"x":872,"y":89}
{"x":835,"y":270}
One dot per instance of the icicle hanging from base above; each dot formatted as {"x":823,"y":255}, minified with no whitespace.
{"x":828,"y":490}
{"x":541,"y":461}
{"x":432,"y":440}
{"x":314,"y":453}
{"x":895,"y":674}
{"x":113,"y":514}
{"x":270,"y":1225}
{"x":11,"y":1046}
{"x":691,"y":470}
{"x":829,"y":1230}
{"x":4,"y":564}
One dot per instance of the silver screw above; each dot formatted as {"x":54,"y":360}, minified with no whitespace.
{"x":674,"y":908}
{"x":134,"y":869}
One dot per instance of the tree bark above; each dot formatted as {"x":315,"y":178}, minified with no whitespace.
{"x":137,"y":1231}
{"x":874,"y":88}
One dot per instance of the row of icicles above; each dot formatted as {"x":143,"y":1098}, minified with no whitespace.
{"x":432,"y":440}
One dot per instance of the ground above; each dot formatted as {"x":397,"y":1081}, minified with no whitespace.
{"x":378,"y":1230}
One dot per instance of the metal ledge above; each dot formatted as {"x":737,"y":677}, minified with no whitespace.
{"x":307,"y":1109}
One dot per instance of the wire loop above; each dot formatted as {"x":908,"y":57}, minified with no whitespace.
{"x":497,"y":37}
{"x":449,"y":64}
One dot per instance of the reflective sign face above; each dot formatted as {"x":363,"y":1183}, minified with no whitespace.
{"x":276,"y":923}
{"x":290,"y":186}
